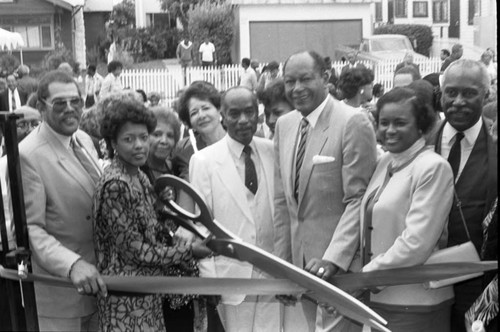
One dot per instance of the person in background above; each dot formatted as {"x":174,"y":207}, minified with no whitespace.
{"x":93,"y":83}
{"x":408,"y":62}
{"x":405,"y":76}
{"x":247,"y":78}
{"x":444,"y":54}
{"x":112,"y":82}
{"x":255,"y":66}
{"x":154,"y":99}
{"x":59,"y":169}
{"x":129,"y":239}
{"x":11,"y":98}
{"x":144,"y":97}
{"x":207,"y":53}
{"x":268,"y":76}
{"x":185,"y":53}
{"x":486,"y":59}
{"x":275,"y":104}
{"x":199,"y":109}
{"x":404,"y":214}
{"x":333,"y":79}
{"x":352,"y":63}
{"x":463,"y":139}
{"x":4,"y":95}
{"x":25,"y":83}
{"x":377,"y":92}
{"x":234,"y":176}
{"x":456,"y":53}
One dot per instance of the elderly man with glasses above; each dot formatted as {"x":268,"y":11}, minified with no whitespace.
{"x":60,"y":170}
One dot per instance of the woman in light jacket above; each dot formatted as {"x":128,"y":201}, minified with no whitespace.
{"x":404,"y":214}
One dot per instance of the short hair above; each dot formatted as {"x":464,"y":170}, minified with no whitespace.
{"x":409,"y":70}
{"x":377,"y":89}
{"x":114,"y":65}
{"x":353,"y":79}
{"x":424,"y":115}
{"x":120,"y":111}
{"x":91,"y":68}
{"x":455,"y":48}
{"x":154,"y":94}
{"x":201,"y":90}
{"x":53,"y":76}
{"x":424,"y":91}
{"x":273,"y":93}
{"x":468,"y":64}
{"x":23,"y":70}
{"x":143,"y":95}
{"x":445,"y":51}
{"x":255,"y":102}
{"x":163,"y":114}
{"x":245,"y":62}
{"x":318,"y":60}
{"x":273,"y":65}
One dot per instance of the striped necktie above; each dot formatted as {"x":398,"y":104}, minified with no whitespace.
{"x":301,"y":149}
{"x":85,"y":161}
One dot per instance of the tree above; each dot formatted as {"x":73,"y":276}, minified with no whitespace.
{"x":178,"y":8}
{"x":123,"y":15}
{"x":214,"y":20}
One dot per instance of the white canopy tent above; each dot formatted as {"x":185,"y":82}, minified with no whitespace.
{"x":11,"y":41}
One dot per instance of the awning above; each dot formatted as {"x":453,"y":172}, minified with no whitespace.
{"x":67,"y":4}
{"x":10,"y":40}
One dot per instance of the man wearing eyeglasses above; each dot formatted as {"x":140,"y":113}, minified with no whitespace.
{"x":59,"y":169}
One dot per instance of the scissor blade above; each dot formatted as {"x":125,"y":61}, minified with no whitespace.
{"x":319,"y":290}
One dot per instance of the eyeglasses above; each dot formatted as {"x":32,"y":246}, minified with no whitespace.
{"x":23,"y":125}
{"x":59,"y":104}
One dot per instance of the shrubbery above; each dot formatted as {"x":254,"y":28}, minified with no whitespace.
{"x":53,"y":59}
{"x":422,"y":34}
{"x":8,"y":63}
{"x":215,"y":21}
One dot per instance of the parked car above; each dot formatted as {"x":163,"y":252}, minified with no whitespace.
{"x":380,"y":47}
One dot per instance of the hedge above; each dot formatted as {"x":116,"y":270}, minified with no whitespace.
{"x":421,"y":33}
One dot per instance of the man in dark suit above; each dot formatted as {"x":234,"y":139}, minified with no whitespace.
{"x":60,"y":169}
{"x":463,"y":139}
{"x":12,"y":98}
{"x":4,"y":95}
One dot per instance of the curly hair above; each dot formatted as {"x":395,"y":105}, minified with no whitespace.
{"x":201,"y":90}
{"x":119,"y":111}
{"x":352,"y":80}
{"x":424,"y":115}
{"x":163,"y":114}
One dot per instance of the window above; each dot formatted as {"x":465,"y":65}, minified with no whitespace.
{"x":401,"y":9}
{"x":474,"y":10}
{"x":420,"y":9}
{"x":163,"y":20}
{"x":440,"y":11}
{"x":35,"y":36}
{"x":378,"y":12}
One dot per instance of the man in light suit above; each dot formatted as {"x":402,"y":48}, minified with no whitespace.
{"x":316,"y":220}
{"x":58,"y":188}
{"x":464,"y":89}
{"x":241,"y":203}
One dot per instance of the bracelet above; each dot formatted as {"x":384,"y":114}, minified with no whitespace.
{"x":73,"y":265}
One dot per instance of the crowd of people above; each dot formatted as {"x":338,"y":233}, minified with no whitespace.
{"x":336,"y":177}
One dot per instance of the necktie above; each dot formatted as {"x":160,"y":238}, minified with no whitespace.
{"x":85,"y":161}
{"x":455,"y":154}
{"x":301,"y":149}
{"x":14,"y":106}
{"x":250,"y":172}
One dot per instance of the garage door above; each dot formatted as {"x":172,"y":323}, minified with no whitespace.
{"x":277,"y":40}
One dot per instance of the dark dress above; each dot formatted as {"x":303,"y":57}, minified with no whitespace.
{"x":130,"y":241}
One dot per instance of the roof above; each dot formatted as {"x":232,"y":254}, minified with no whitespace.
{"x":297,"y":2}
{"x":99,"y":5}
{"x":67,"y":4}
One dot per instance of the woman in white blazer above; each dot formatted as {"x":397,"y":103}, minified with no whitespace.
{"x":404,"y":214}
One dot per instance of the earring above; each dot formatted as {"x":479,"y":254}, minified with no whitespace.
{"x":362,"y":91}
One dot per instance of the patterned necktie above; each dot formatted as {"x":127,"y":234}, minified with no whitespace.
{"x":250,"y":173}
{"x":301,"y":149}
{"x":85,"y":161}
{"x":455,"y":154}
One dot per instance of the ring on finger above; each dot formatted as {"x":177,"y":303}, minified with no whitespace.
{"x":321,"y":270}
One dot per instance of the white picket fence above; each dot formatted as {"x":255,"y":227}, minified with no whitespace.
{"x":170,"y":80}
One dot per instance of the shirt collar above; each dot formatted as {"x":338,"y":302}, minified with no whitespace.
{"x":313,"y":117}
{"x":65,"y":140}
{"x":236,"y":148}
{"x":470,"y":135}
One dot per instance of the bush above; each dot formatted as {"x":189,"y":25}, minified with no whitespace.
{"x":215,"y":21}
{"x":8,"y":64}
{"x":422,"y":34}
{"x":53,"y":59}
{"x":93,"y":55}
{"x":151,"y":43}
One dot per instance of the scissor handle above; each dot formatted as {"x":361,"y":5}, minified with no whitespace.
{"x":202,"y":215}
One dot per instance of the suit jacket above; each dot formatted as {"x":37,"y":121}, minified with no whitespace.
{"x":213,"y":173}
{"x":58,"y":198}
{"x":4,"y":99}
{"x":324,"y":223}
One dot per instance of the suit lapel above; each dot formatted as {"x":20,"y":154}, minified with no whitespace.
{"x":229,"y":177}
{"x":267,"y":178}
{"x":68,"y":162}
{"x":289,"y":151}
{"x":315,"y":143}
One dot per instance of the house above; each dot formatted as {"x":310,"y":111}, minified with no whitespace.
{"x":43,"y":24}
{"x":473,"y":22}
{"x":273,"y":29}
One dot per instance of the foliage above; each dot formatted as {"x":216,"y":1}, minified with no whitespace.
{"x":214,"y":21}
{"x":151,"y":43}
{"x":123,"y":15}
{"x":178,"y":8}
{"x":422,"y":34}
{"x":93,"y":55}
{"x":53,"y":59}
{"x":8,"y":64}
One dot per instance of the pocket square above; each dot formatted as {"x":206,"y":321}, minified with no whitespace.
{"x":318,"y":160}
